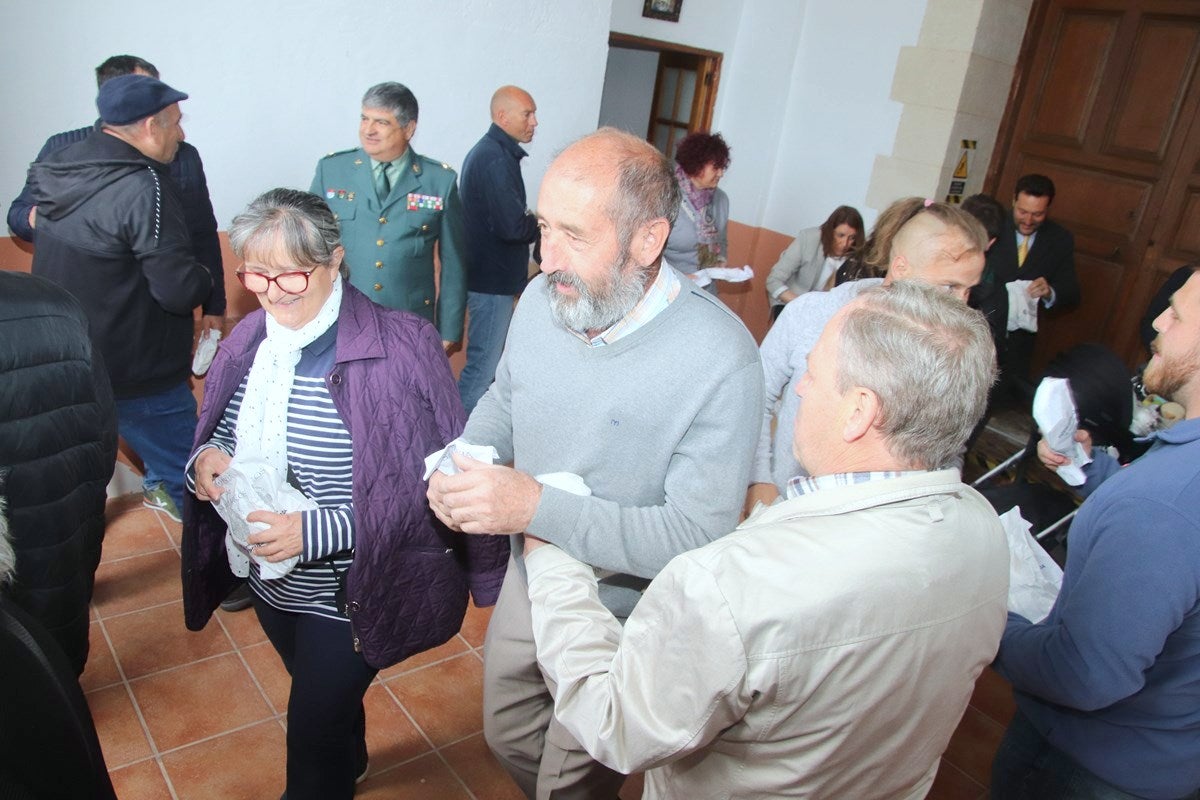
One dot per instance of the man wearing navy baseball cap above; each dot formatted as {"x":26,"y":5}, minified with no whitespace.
{"x":111,"y":231}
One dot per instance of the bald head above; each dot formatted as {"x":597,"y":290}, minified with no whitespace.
{"x":642,"y":180}
{"x":515,"y":113}
{"x":941,"y":245}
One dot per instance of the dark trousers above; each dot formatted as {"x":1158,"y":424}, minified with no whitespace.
{"x":326,"y":744}
{"x":1027,"y":767}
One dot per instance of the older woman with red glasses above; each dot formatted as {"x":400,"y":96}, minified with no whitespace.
{"x":698,"y":238}
{"x":344,"y":398}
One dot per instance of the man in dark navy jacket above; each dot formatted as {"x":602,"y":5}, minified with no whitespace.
{"x":1036,"y":249}
{"x":186,"y":170}
{"x":500,"y":229}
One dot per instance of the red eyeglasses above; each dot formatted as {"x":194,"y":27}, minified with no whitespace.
{"x":290,"y":282}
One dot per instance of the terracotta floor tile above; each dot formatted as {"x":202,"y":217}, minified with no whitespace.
{"x":132,"y":533}
{"x":391,"y":736}
{"x":268,"y":668}
{"x":974,"y":744}
{"x":454,"y":647}
{"x":199,"y":700}
{"x":121,"y":735}
{"x":247,"y":764}
{"x":173,"y":529}
{"x":243,"y":626}
{"x":475,"y":624}
{"x":446,"y":700}
{"x":101,"y":669}
{"x":952,"y":783}
{"x":474,"y":763}
{"x":426,"y":778}
{"x":132,"y":584}
{"x":141,"y":781}
{"x":156,"y":639}
{"x":993,"y":696}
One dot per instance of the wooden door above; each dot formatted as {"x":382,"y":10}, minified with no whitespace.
{"x":1105,"y":103}
{"x":685,"y":89}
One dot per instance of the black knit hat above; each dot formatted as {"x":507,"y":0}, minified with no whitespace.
{"x":128,"y":98}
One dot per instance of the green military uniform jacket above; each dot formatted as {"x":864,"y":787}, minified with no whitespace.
{"x":389,"y":246}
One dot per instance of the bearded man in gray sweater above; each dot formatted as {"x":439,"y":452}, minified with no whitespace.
{"x":620,"y":371}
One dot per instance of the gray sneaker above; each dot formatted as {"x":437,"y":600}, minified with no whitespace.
{"x":158,"y":500}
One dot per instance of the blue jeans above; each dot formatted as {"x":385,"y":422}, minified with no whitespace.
{"x":487,"y":327}
{"x":160,"y":428}
{"x":1027,"y":767}
{"x":326,"y":734}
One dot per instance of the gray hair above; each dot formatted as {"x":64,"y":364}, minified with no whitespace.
{"x":646,"y":186}
{"x":395,"y":98}
{"x":300,"y":220}
{"x":929,"y":359}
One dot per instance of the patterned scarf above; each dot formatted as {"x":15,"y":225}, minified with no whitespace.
{"x":262,"y":420}
{"x":697,"y":205}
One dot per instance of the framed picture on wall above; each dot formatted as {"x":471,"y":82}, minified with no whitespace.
{"x":662,"y":9}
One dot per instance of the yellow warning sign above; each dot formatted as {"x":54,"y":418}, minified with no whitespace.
{"x":960,"y":171}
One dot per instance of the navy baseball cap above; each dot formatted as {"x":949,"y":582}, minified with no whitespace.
{"x":128,"y":98}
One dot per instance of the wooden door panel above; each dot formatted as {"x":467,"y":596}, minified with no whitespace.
{"x":1078,"y":59}
{"x":1061,"y":330}
{"x":1152,"y":91}
{"x":1107,"y":103}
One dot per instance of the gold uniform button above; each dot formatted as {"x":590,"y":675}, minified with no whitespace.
{"x":424,"y":227}
{"x":378,"y":265}
{"x":383,"y":220}
{"x":379,"y":242}
{"x":428,"y":301}
{"x":379,"y":286}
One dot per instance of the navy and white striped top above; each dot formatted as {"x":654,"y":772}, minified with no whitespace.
{"x":319,"y":460}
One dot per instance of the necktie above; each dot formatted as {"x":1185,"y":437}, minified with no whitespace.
{"x":1022,"y":251}
{"x":383,"y":186}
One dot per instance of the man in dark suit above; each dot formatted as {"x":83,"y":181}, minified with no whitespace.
{"x":1035,"y":249}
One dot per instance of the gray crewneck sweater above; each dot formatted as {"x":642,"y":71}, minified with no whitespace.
{"x":661,"y":425}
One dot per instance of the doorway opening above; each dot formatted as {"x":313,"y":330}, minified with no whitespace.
{"x":659,"y":90}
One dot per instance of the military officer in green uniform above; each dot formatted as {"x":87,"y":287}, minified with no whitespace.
{"x":393,"y":206}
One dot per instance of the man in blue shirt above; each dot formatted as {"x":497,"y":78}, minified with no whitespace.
{"x":500,"y":229}
{"x":1108,"y":685}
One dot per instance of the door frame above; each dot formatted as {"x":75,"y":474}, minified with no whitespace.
{"x":709,"y":75}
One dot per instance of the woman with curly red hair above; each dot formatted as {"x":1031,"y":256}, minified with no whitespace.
{"x":698,"y":237}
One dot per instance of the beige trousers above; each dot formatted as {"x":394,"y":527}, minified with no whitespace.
{"x":518,"y":720}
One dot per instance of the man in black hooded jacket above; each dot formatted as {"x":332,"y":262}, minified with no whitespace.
{"x":111,"y":231}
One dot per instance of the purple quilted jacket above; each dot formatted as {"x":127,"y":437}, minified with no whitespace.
{"x":391,"y":383}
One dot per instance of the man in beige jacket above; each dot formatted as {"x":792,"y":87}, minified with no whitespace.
{"x":828,"y":647}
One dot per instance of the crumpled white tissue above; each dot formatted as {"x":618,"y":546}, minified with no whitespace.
{"x":706,"y":275}
{"x":1033,"y":577}
{"x":206,"y":349}
{"x":1022,"y":309}
{"x":251,"y":484}
{"x":1054,"y":412}
{"x":440,"y":460}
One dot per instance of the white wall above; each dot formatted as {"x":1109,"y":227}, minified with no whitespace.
{"x":839,"y":113}
{"x":276,"y":84}
{"x":803,"y":99}
{"x":629,"y":89}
